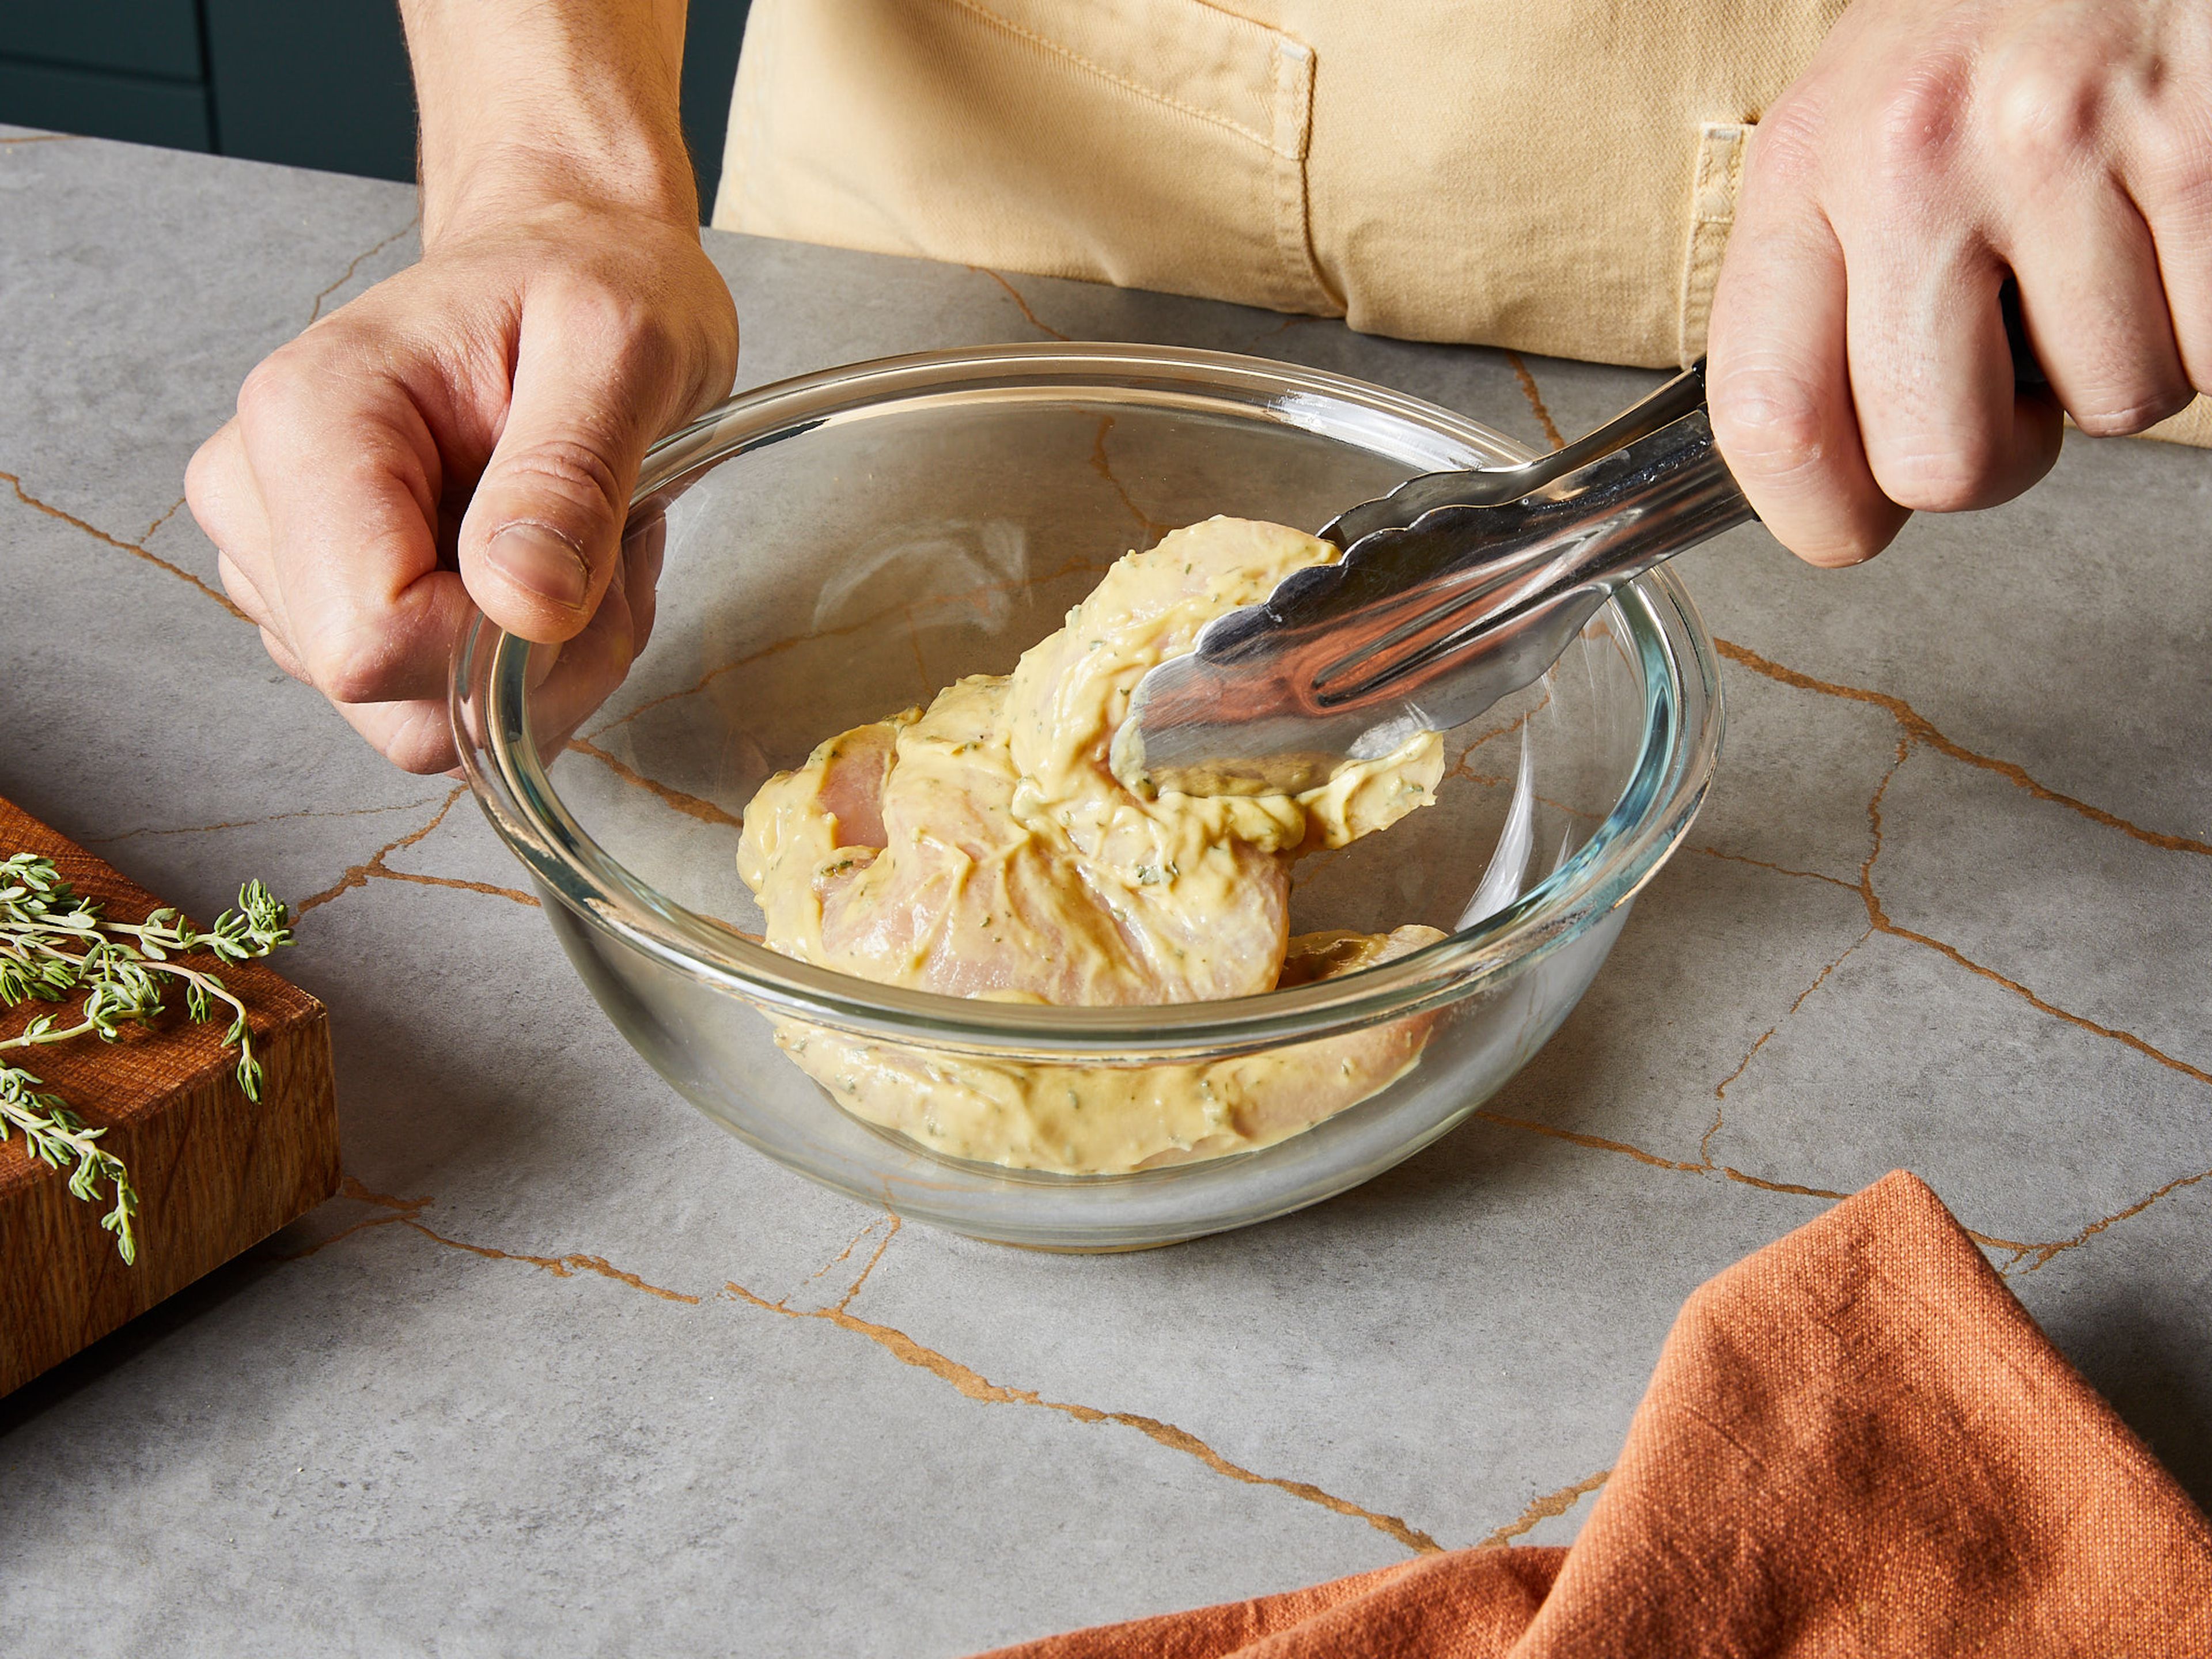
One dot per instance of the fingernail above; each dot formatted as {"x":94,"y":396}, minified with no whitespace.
{"x":532,"y":557}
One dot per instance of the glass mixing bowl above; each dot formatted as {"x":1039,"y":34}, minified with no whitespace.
{"x":835,"y":548}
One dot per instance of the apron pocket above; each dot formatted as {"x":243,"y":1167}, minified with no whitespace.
{"x":1149,"y":144}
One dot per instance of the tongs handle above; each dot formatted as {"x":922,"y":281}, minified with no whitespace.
{"x":1492,"y":486}
{"x":1500,"y":566}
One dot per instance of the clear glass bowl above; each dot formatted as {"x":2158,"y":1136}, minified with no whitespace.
{"x":840,"y":546}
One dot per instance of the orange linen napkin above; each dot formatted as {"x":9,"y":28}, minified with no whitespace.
{"x":1857,"y":1443}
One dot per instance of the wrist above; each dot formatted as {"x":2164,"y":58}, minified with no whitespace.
{"x":501,"y":183}
{"x":527,"y":101}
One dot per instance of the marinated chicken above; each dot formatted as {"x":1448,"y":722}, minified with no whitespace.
{"x":984,"y":847}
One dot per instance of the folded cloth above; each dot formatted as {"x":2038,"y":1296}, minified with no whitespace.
{"x":1857,"y":1441}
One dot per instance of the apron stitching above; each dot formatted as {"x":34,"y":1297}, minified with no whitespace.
{"x":1049,"y":44}
{"x":1292,"y":62}
{"x":1713,"y":185}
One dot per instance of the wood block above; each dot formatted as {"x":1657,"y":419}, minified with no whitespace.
{"x":216,"y":1172}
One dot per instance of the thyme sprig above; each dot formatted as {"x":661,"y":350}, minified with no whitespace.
{"x":57,"y":1135}
{"x":53,"y":942}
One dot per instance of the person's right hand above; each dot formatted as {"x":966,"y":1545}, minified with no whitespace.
{"x":1859,"y":368}
{"x":469,"y":430}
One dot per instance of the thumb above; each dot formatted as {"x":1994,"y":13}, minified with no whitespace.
{"x":543,"y":534}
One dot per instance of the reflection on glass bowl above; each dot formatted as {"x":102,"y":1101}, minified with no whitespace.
{"x":835,"y":548}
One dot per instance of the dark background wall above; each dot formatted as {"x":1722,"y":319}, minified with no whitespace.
{"x":316,"y":83}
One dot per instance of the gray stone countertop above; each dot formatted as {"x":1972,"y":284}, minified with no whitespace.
{"x":1944,"y":910}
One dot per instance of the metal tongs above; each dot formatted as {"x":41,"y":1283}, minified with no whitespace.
{"x":1455,"y":590}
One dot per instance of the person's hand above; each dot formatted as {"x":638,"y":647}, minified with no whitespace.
{"x":1858,"y":367}
{"x":468,"y":429}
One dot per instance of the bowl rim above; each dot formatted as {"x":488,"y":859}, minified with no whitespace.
{"x":489,"y":707}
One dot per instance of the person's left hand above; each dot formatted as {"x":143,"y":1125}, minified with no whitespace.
{"x":1858,"y":367}
{"x":466,"y":435}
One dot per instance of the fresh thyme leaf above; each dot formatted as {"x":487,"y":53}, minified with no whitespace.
{"x":58,"y":1136}
{"x":53,"y":942}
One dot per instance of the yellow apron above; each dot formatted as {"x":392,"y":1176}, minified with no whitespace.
{"x":1556,"y":176}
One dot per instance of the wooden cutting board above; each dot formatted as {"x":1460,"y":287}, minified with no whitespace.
{"x":216,"y":1172}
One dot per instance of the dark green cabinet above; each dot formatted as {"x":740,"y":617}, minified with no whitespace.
{"x":136,"y":68}
{"x":138,"y":108}
{"x":322,"y":84}
{"x":315,"y":84}
{"x":130,"y":37}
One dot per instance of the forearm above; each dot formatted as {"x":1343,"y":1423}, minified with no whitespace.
{"x":573,"y":97}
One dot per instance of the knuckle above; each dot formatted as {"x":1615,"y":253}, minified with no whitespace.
{"x":2122,"y":413}
{"x":1945,"y":477}
{"x":620,"y":321}
{"x":269,"y":389}
{"x":2171,"y":168}
{"x":1915,"y":122}
{"x":2171,"y":177}
{"x":1768,"y":423}
{"x":641,"y":337}
{"x":1785,"y":155}
{"x":284,"y":388}
{"x":297,"y":377}
{"x":354,"y":667}
{"x":423,"y":744}
{"x":202,"y":478}
{"x":2043,"y":115}
{"x":574,"y":469}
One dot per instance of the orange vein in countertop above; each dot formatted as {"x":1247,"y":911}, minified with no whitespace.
{"x":1528,"y":390}
{"x":375,"y":869}
{"x":135,"y":549}
{"x":976,"y":1387}
{"x":407,"y":1211}
{"x":1601,"y":1144}
{"x":398,"y":1209}
{"x":1778,"y":869}
{"x":846,"y":1255}
{"x":1015,"y":294}
{"x":1918,"y":727}
{"x":970,"y":1382}
{"x":2129,"y":1038}
{"x":560,"y":1267}
{"x":1546,"y":1508}
{"x":248,"y":824}
{"x":1720,"y":1090}
{"x":1878,"y":916}
{"x":152,"y":528}
{"x":360,"y":874}
{"x":1595,"y":1143}
{"x":860,"y":1279}
{"x":1288,"y":322}
{"x":1103,"y":465}
{"x":346,"y":275}
{"x":692,"y":806}
{"x":2044,"y":1252}
{"x":490,"y":890}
